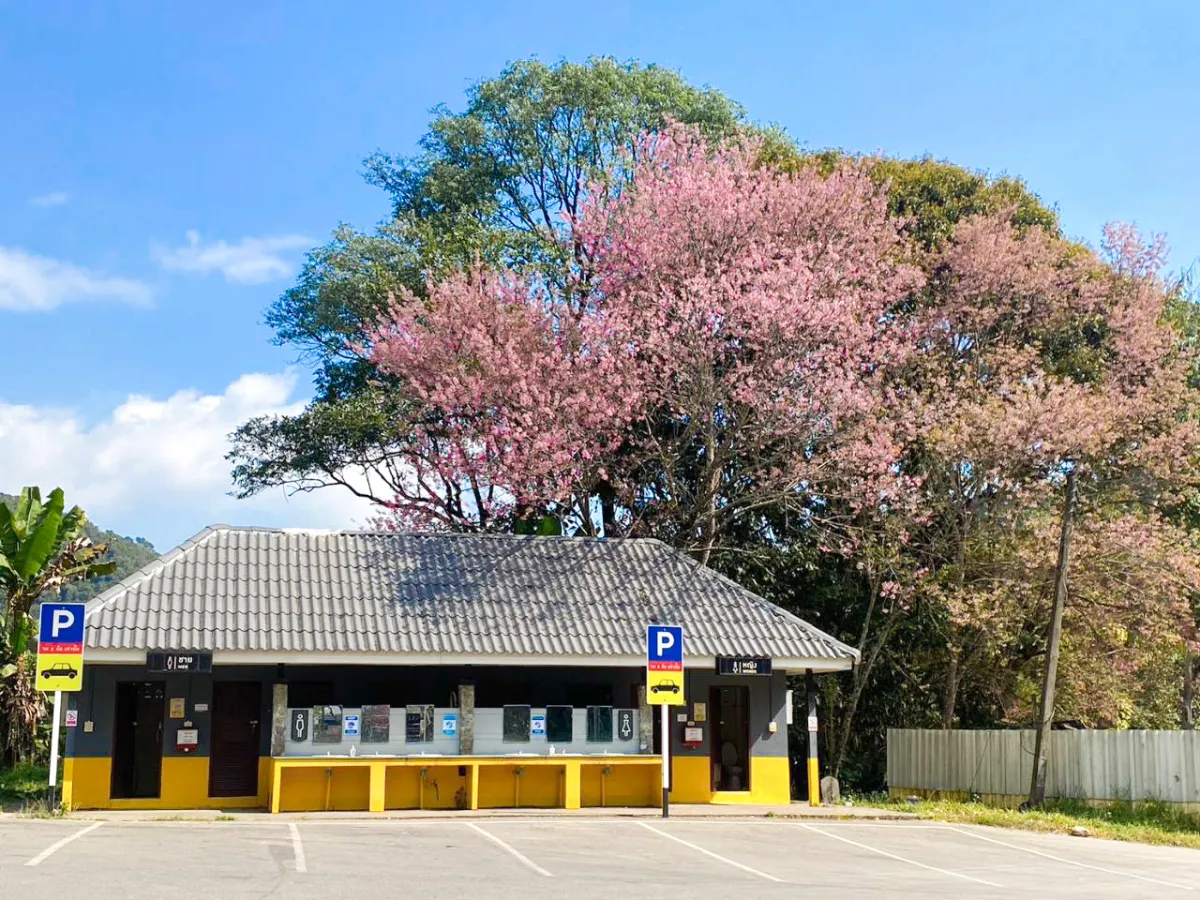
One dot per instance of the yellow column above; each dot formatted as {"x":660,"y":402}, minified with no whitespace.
{"x":572,"y":787}
{"x":378,"y":795}
{"x":67,"y":782}
{"x":276,"y":784}
{"x":473,"y":786}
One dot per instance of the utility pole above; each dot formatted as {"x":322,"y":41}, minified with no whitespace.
{"x":1037,"y":787}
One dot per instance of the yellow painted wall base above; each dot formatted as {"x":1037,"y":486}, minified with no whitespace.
{"x":476,"y":783}
{"x":814,"y":782}
{"x":87,"y":784}
{"x":770,"y":782}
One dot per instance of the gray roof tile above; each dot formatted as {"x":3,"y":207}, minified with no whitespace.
{"x":280,"y":591}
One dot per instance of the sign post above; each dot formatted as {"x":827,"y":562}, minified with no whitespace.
{"x":59,"y":665}
{"x":664,"y":688}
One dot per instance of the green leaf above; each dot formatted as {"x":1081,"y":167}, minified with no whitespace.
{"x":39,"y":547}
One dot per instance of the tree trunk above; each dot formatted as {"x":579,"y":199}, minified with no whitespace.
{"x":1037,"y":787}
{"x":1189,"y":690}
{"x":950,"y":698}
{"x":608,"y":509}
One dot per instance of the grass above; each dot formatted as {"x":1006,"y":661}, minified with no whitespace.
{"x":23,"y":783}
{"x":1145,"y":823}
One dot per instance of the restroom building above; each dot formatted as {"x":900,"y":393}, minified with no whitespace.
{"x":292,"y":670}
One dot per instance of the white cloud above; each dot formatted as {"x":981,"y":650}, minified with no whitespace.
{"x":54,"y":198}
{"x":30,"y":283}
{"x":156,"y":467}
{"x":252,"y":260}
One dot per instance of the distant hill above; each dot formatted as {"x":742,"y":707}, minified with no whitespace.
{"x":130,"y":553}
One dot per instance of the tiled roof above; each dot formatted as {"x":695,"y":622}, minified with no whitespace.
{"x":247,"y":589}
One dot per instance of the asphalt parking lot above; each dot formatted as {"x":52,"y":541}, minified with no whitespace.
{"x":498,"y":859}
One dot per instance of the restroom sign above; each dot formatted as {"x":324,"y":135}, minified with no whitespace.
{"x":298,"y":722}
{"x":664,"y":665}
{"x":60,"y":647}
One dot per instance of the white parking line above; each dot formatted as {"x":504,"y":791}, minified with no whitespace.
{"x":904,"y":859}
{"x":511,"y":849}
{"x":297,"y":847}
{"x":58,"y":845}
{"x":1071,"y":862}
{"x":696,"y":847}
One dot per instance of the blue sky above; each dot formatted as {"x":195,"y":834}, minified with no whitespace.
{"x":163,"y":166}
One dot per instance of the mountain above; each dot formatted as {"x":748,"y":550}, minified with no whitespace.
{"x":130,"y":553}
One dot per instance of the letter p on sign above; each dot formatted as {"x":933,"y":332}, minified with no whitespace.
{"x":60,"y":621}
{"x":666,"y":640}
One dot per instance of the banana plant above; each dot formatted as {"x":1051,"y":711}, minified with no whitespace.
{"x":42,"y":550}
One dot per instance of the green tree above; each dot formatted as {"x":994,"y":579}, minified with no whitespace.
{"x":43,"y":549}
{"x":497,"y":182}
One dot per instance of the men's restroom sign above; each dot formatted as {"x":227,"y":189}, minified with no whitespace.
{"x":664,"y":665}
{"x":60,"y":647}
{"x":298,"y":723}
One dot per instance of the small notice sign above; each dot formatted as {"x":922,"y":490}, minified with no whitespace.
{"x":812,"y":723}
{"x":72,"y":718}
{"x":537,"y":726}
{"x":449,"y":725}
{"x":176,"y":710}
{"x":350,"y":726}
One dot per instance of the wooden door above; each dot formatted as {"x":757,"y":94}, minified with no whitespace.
{"x":234,"y":745}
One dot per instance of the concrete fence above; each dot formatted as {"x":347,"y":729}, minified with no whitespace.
{"x":1083,"y":765}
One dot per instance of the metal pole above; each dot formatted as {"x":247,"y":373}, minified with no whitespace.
{"x":54,"y":749}
{"x":666,"y":758}
{"x":814,"y":769}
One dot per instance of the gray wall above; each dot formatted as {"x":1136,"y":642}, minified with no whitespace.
{"x":96,"y":703}
{"x":355,"y":685}
{"x":768,"y":702}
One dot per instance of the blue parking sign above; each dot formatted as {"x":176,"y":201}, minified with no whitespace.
{"x":664,"y":644}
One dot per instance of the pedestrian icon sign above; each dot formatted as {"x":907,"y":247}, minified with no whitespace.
{"x":664,"y":665}
{"x":60,"y":647}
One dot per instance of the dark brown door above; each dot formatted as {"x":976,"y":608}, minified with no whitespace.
{"x":729,"y":737}
{"x":138,"y":739}
{"x":233,"y":762}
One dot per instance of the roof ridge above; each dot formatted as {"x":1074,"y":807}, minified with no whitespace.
{"x":152,"y":568}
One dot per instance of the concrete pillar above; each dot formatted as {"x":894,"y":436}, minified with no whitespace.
{"x":279,"y":723}
{"x":645,"y":722}
{"x":814,"y":769}
{"x":466,"y":719}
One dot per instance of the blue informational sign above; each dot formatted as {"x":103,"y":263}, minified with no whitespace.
{"x":449,"y":725}
{"x":60,"y":647}
{"x":664,"y":665}
{"x":351,"y":726}
{"x":61,"y":624}
{"x":664,"y":644}
{"x":537,"y":726}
